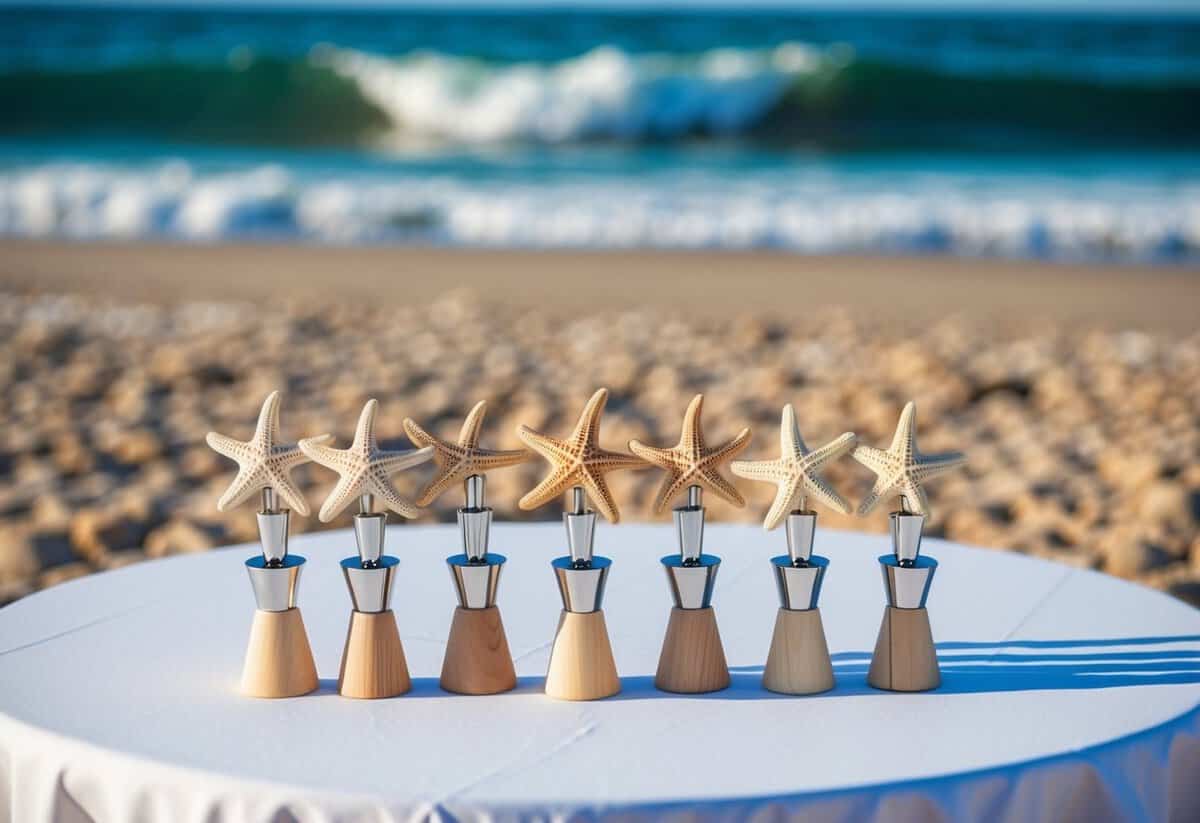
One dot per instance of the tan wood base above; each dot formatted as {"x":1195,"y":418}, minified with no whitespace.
{"x":798,"y":662}
{"x":692,"y":659}
{"x":581,"y":662}
{"x":477,"y":657}
{"x":373,"y":663}
{"x":279,"y":661}
{"x":905,"y":659}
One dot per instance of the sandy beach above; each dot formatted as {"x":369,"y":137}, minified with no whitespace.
{"x":1074,"y":389}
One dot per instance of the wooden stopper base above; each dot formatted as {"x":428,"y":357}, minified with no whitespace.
{"x":477,"y":657}
{"x":279,"y":661}
{"x":692,"y":659}
{"x":798,"y":662}
{"x":581,"y":662}
{"x":905,"y":659}
{"x":373,"y":663}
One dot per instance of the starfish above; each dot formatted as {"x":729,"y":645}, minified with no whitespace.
{"x":364,"y":468}
{"x":262,"y":463}
{"x":691,"y":463}
{"x":577,"y":461}
{"x":902,"y":470}
{"x":458,"y":461}
{"x":796,"y":471}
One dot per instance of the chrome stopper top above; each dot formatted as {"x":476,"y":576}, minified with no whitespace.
{"x":581,"y":530}
{"x":475,"y":520}
{"x":689,"y":528}
{"x":801,"y":526}
{"x":906,"y":530}
{"x":273,"y":534}
{"x":369,"y":534}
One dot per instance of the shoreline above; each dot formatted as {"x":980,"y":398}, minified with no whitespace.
{"x":901,"y":291}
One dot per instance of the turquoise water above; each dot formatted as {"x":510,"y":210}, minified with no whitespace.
{"x":1049,"y":136}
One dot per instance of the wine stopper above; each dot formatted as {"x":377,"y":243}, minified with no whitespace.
{"x":581,"y":660}
{"x":692,"y":660}
{"x":373,"y":663}
{"x":279,"y":661}
{"x":905,"y":658}
{"x":798,"y":661}
{"x":477,"y":658}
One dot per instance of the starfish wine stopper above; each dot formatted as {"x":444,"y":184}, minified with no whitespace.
{"x":581,"y":661}
{"x":373,"y":663}
{"x":798,"y":662}
{"x":905,"y":659}
{"x":692,"y":660}
{"x":477,"y":659}
{"x":279,"y":660}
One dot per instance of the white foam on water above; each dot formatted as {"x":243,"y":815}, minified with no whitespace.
{"x":806,"y":210}
{"x":603,"y":93}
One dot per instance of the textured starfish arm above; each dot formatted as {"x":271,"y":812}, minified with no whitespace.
{"x":721,"y":487}
{"x":930,"y":466}
{"x":391,"y":462}
{"x":819,"y":488}
{"x":832,"y":450}
{"x":245,"y":484}
{"x":882,"y":486}
{"x":347,"y":489}
{"x":489,"y":460}
{"x":731,"y":449}
{"x":764,"y":471}
{"x":903,"y":438}
{"x":225,"y":446}
{"x":544,"y":445}
{"x":607,"y":461}
{"x":281,"y":482}
{"x":663,"y":458}
{"x":294,"y":456}
{"x":468,"y":435}
{"x":672,"y":485}
{"x":551,"y":487}
{"x":914,"y":496}
{"x":416,"y":434}
{"x":877,"y":460}
{"x":321,"y":454}
{"x":588,"y":427}
{"x":391,"y":498}
{"x":785,"y":500}
{"x":444,"y":479}
{"x":598,"y":491}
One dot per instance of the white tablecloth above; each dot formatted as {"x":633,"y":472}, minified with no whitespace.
{"x":1067,"y":695}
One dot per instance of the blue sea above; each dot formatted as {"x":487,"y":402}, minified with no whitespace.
{"x":1015,"y":135}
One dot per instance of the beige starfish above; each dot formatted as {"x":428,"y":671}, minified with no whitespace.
{"x":577,"y":461}
{"x":902,"y":470}
{"x":364,"y":468}
{"x":262,"y":463}
{"x":458,"y":461}
{"x":795,"y":473}
{"x":691,"y":463}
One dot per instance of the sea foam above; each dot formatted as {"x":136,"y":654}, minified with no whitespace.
{"x":804,"y":210}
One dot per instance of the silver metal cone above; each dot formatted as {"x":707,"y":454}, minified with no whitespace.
{"x":907,"y":587}
{"x":475,"y":582}
{"x":799,"y":586}
{"x":273,"y":532}
{"x":275,"y":586}
{"x":692,"y":583}
{"x":370,"y":587}
{"x":906,"y":536}
{"x":475,"y":525}
{"x":689,"y":527}
{"x":801,"y":526}
{"x":582,"y":588}
{"x":581,"y":531}
{"x":369,"y":532}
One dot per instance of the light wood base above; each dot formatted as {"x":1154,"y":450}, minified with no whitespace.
{"x":477,"y":657}
{"x":692,"y":659}
{"x":279,"y":661}
{"x":373,"y":663}
{"x":798,"y":662}
{"x":581,"y":662}
{"x":905,"y":659}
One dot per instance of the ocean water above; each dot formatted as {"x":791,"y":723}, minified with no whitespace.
{"x":1001,"y":135}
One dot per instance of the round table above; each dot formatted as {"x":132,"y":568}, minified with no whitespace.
{"x":1066,"y":694}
